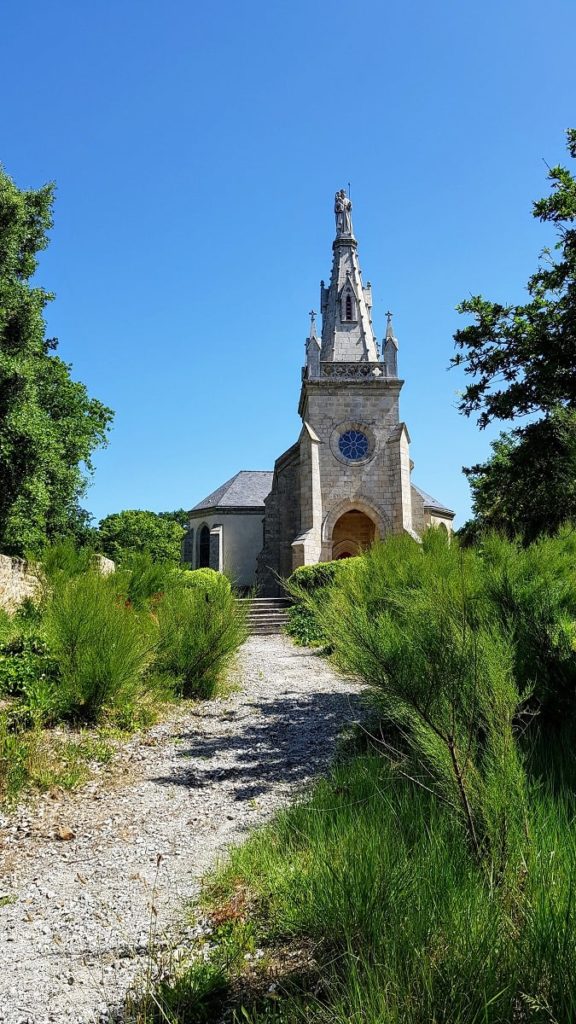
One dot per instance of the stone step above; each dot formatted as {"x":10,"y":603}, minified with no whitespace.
{"x":265,"y":602}
{"x":265,"y":615}
{"x":255,"y":612}
{"x":260,"y":631}
{"x":264,"y":623}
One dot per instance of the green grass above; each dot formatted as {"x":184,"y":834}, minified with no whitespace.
{"x":373,"y":878}
{"x":41,"y":759}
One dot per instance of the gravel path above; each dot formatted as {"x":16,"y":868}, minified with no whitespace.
{"x":74,"y":927}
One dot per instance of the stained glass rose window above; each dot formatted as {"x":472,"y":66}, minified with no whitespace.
{"x":353,"y":445}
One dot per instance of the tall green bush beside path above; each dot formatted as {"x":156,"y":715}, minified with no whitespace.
{"x":200,"y":627}
{"x":411,"y":620}
{"x":101,"y":646}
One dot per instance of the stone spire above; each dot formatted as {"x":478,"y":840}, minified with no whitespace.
{"x":390,"y":349}
{"x":347,"y":334}
{"x":313,"y":348}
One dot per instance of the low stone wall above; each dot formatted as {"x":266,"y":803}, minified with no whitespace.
{"x":16,"y":582}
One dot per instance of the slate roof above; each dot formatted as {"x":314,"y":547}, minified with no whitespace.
{"x":430,"y":502}
{"x":245,"y":490}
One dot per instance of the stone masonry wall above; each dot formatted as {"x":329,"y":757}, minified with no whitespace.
{"x":282,"y":523}
{"x":16,"y":582}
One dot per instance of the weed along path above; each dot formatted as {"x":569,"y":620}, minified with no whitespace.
{"x":85,"y":878}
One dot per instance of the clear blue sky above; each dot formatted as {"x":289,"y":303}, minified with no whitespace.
{"x":196,"y":150}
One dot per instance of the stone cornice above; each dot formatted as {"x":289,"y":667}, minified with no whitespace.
{"x":343,"y":240}
{"x":232,"y":510}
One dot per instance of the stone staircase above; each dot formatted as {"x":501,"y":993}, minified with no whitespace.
{"x":266,"y":614}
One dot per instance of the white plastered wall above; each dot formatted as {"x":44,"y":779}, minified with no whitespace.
{"x":241,"y":538}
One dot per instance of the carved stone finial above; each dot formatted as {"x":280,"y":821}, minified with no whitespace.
{"x":343,"y":213}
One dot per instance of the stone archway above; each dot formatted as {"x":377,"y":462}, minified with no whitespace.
{"x":352,"y":533}
{"x":351,"y":527}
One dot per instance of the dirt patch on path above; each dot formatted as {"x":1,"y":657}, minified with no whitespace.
{"x":75,"y":924}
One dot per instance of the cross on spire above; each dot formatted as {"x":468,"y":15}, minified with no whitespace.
{"x":389,"y":316}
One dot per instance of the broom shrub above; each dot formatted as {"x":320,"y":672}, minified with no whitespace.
{"x":199,"y":629}
{"x":101,"y":645}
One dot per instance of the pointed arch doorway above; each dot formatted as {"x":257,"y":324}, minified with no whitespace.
{"x":353,"y":532}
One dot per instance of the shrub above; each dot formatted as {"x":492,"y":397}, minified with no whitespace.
{"x":102,"y":647}
{"x":64,"y":559}
{"x":303,"y":627}
{"x":371,"y":874}
{"x":411,"y":621}
{"x":309,"y":578}
{"x":141,"y":581}
{"x":199,"y":629}
{"x":207,"y":580}
{"x":305,"y":586}
{"x":532,"y":591}
{"x":29,"y":672}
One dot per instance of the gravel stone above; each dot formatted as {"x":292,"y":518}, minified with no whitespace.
{"x":89,"y":915}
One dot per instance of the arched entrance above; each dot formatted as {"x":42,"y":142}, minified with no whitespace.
{"x":353,"y":532}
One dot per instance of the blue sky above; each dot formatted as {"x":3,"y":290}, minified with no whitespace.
{"x":196,"y":149}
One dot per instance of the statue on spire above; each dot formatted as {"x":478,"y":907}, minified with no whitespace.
{"x":342,"y":210}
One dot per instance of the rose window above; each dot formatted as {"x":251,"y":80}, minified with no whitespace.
{"x":353,"y":445}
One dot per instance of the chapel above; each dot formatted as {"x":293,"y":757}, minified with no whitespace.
{"x":347,"y":481}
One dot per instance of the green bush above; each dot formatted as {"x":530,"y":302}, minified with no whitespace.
{"x":305,"y":586}
{"x":309,"y":578}
{"x":102,"y":647}
{"x":64,"y":559}
{"x":29,"y":672}
{"x":411,"y":621}
{"x":532,"y":591}
{"x":208,"y":580}
{"x":199,"y":629}
{"x":303,"y":627}
{"x":140,"y":580}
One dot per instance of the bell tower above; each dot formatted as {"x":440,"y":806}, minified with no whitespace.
{"x":354,"y":449}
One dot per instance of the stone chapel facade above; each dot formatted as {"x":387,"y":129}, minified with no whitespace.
{"x":346,"y":482}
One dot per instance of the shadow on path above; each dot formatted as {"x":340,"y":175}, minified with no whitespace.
{"x":291,"y":740}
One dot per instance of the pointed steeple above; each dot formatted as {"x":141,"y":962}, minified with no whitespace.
{"x":390,"y":349}
{"x":312,"y":348}
{"x":347,"y":334}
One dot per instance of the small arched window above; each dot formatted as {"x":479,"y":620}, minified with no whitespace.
{"x":204,"y":548}
{"x":348,"y":307}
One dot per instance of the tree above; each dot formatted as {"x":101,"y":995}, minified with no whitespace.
{"x":137,"y":530}
{"x":528,"y":486}
{"x":49,"y":426}
{"x":180,"y":515}
{"x":522,"y":361}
